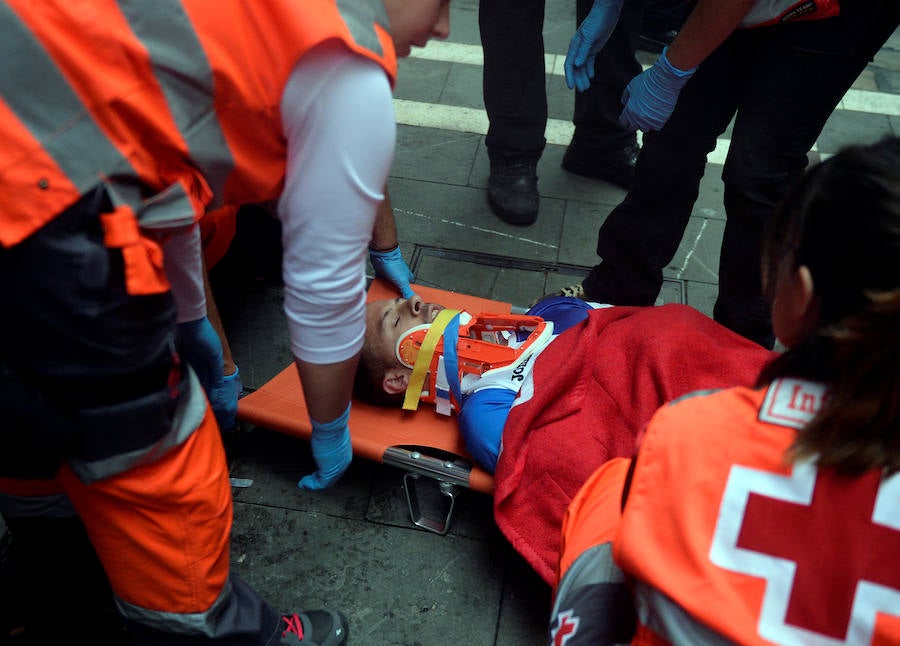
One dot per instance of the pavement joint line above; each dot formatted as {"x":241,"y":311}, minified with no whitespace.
{"x":463,"y":225}
{"x":690,"y":253}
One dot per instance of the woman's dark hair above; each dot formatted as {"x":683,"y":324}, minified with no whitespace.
{"x":842,"y":221}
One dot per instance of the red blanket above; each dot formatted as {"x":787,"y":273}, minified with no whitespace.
{"x":596,"y":386}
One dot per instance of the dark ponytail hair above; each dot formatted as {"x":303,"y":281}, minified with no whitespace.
{"x":842,"y":221}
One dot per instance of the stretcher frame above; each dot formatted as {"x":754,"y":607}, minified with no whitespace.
{"x":423,"y":443}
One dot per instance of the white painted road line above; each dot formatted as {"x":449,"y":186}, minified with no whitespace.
{"x":559,"y":132}
{"x":855,"y":100}
{"x":459,"y":119}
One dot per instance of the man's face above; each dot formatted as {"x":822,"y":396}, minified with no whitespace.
{"x":388,"y":320}
{"x":415,"y":22}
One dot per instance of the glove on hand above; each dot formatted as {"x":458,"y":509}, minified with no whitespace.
{"x":331,"y":450}
{"x":651,"y":96}
{"x":589,"y":39}
{"x":391,"y":266}
{"x":201,"y":347}
{"x":224,"y":400}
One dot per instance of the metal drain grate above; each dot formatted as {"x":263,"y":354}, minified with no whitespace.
{"x":673,"y":290}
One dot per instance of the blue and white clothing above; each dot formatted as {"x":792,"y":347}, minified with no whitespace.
{"x":487,"y":402}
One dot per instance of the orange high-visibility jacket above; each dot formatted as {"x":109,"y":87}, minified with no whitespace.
{"x":173,"y":105}
{"x":720,"y":537}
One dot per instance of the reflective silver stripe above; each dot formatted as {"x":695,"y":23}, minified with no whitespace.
{"x":194,"y":623}
{"x":592,"y":601}
{"x":183,"y":72}
{"x":670,"y":621}
{"x":359,"y":16}
{"x":188,"y":417}
{"x":42,"y":99}
{"x":594,"y":566}
{"x":170,"y":208}
{"x":236,"y":611}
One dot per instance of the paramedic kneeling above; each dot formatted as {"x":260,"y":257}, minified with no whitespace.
{"x":123,"y":123}
{"x":768,"y":514}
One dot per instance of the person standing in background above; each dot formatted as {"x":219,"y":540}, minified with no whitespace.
{"x":751,"y":61}
{"x":516,"y":103}
{"x":768,"y":514}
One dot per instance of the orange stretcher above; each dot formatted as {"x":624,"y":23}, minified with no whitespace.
{"x":423,"y":442}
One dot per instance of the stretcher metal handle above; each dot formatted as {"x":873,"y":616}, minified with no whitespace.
{"x":436,"y":525}
{"x":429,"y":461}
{"x":448,"y":469}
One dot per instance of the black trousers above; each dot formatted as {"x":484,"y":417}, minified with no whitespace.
{"x":515,"y":94}
{"x":780,"y":84}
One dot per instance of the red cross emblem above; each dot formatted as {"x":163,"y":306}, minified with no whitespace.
{"x":567,"y":626}
{"x":827,"y":546}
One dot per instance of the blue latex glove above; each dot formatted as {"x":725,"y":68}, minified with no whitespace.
{"x":391,"y":266}
{"x":201,"y":347}
{"x":651,"y":96}
{"x":589,"y":39}
{"x":224,"y":400}
{"x":332,"y":451}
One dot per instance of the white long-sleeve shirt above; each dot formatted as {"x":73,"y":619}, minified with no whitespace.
{"x":338,"y":117}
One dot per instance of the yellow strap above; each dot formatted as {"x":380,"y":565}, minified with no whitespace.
{"x":423,"y":360}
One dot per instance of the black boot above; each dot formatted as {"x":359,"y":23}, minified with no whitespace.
{"x":512,"y":191}
{"x":615,"y":166}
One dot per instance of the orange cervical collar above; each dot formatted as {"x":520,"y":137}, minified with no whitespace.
{"x":480,"y":346}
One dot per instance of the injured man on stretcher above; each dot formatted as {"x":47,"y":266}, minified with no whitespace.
{"x":487,"y":366}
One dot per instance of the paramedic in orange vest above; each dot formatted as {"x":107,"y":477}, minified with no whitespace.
{"x":123,"y":122}
{"x":769,"y":514}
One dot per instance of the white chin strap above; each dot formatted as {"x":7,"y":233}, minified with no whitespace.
{"x":405,"y":338}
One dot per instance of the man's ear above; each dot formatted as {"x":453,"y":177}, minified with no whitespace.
{"x":396,"y":380}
